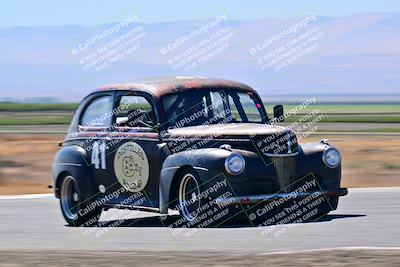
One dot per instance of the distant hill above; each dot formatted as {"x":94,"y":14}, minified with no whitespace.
{"x":358,"y":54}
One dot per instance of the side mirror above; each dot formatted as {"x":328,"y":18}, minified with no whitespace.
{"x":278,"y":113}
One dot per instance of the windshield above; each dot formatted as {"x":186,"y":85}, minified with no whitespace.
{"x":204,"y":107}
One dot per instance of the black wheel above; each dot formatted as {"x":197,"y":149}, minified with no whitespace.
{"x":189,"y":201}
{"x":75,"y":212}
{"x":196,"y":204}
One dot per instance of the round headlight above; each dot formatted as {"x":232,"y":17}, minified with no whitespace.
{"x":331,"y":157}
{"x":234,"y":164}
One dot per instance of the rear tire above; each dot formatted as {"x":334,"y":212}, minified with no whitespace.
{"x":72,"y":202}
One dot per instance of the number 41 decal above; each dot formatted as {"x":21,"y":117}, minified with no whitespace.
{"x":99,"y":148}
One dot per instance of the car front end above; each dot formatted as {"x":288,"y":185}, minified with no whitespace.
{"x":264,"y":163}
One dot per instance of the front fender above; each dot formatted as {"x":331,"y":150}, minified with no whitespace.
{"x":310,"y":155}
{"x":73,"y":160}
{"x":208,"y":162}
{"x":310,"y":158}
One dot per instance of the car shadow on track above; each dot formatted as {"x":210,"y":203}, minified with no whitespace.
{"x":331,"y":217}
{"x":169,"y":221}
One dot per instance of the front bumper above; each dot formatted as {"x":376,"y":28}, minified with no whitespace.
{"x":249,"y":200}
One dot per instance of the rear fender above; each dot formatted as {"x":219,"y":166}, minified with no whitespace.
{"x":72,"y":160}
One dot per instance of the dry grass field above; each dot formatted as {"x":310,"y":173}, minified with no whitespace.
{"x":25,"y":161}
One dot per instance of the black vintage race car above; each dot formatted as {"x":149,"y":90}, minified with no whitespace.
{"x":204,"y":147}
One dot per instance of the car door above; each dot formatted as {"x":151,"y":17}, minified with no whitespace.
{"x":94,"y":128}
{"x":133,"y":153}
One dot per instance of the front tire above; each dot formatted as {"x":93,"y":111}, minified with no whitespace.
{"x":75,"y":212}
{"x":196,"y":202}
{"x":189,"y":190}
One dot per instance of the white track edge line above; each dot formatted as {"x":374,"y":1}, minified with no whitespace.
{"x":360,"y":189}
{"x":28,"y":196}
{"x":374,"y":189}
{"x":330,"y":249}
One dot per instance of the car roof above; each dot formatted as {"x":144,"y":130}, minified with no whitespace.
{"x":159,"y":87}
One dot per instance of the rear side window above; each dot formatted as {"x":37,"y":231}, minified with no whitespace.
{"x":98,"y":113}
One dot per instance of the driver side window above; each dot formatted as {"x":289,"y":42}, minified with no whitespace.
{"x":134,"y":111}
{"x":98,"y":113}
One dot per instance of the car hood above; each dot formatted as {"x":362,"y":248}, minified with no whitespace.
{"x":236,"y":130}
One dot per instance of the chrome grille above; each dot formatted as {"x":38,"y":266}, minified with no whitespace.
{"x":285,"y":168}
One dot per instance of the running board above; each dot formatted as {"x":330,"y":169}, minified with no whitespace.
{"x":272,"y":197}
{"x":131,"y":207}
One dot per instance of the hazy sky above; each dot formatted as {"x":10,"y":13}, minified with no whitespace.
{"x":90,"y":12}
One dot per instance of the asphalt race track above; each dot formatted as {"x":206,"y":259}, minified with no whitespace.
{"x":365,"y":218}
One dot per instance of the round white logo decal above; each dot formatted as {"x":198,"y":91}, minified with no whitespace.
{"x":131,"y":166}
